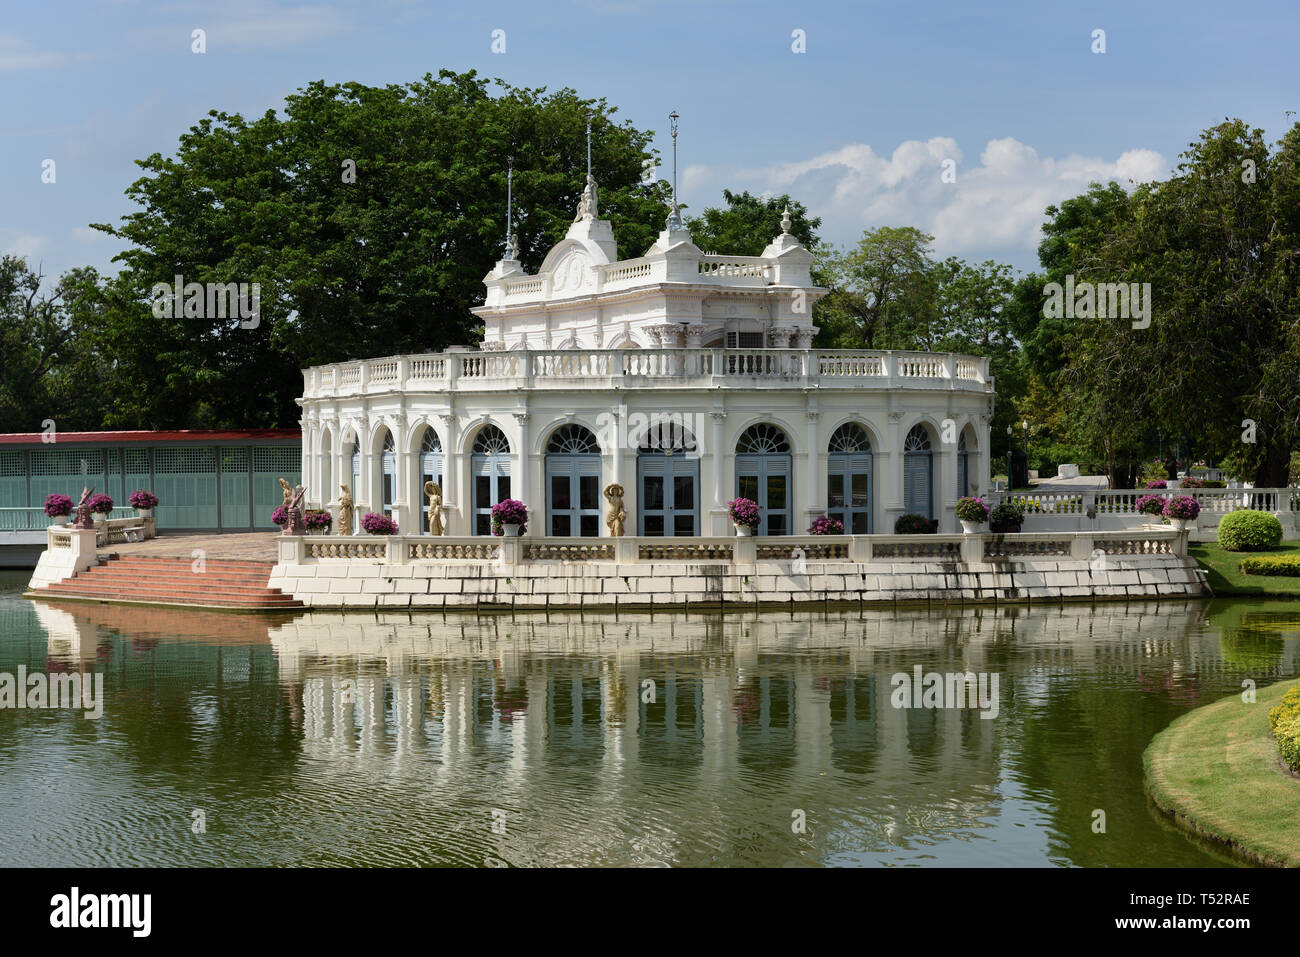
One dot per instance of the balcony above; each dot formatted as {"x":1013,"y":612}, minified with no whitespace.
{"x":663,"y":368}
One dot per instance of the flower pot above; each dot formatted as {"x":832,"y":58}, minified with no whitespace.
{"x":59,"y":520}
{"x":510,"y":529}
{"x":99,"y":517}
{"x":1178,"y":524}
{"x":744,"y":531}
{"x":971,"y":528}
{"x":144,"y":512}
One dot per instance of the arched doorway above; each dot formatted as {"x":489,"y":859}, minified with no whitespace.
{"x":848,"y":478}
{"x":668,"y":483}
{"x":763,"y":471}
{"x":430,"y":471}
{"x":918,"y":472}
{"x":573,"y":482}
{"x":490,"y":469}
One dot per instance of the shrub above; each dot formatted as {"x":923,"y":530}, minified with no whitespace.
{"x":317,"y":520}
{"x":1213,"y":483}
{"x":1156,"y":483}
{"x":509,"y":511}
{"x":1246,"y":530}
{"x":913,"y":524}
{"x":1150,"y":504}
{"x":56,"y":505}
{"x":825,"y":525}
{"x":1192,"y":481}
{"x":972,"y":509}
{"x":142,"y":499}
{"x":100,"y":504}
{"x":1285,"y":565}
{"x":1284,"y":722}
{"x":1006,"y":517}
{"x":280,"y":516}
{"x":1182,"y":506}
{"x":377,"y":524}
{"x":744,"y":511}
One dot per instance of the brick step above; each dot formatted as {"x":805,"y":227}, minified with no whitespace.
{"x":133,"y":575}
{"x":157,"y":562}
{"x":145,"y":594}
{"x":109,"y":590}
{"x":223,"y":583}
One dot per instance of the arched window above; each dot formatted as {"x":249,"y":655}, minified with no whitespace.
{"x":490,"y":467}
{"x":388,"y":476}
{"x":917,"y":472}
{"x":763,"y":474}
{"x":667,"y":480}
{"x":430,"y":471}
{"x":849,"y":478}
{"x":963,"y":468}
{"x":573,"y":482}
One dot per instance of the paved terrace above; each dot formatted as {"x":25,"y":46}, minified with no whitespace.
{"x":248,"y":546}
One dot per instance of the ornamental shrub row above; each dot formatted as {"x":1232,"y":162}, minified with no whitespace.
{"x":1284,"y":722}
{"x":1287,"y":565}
{"x":1247,"y":530}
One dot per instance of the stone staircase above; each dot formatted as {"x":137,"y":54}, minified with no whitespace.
{"x":223,"y":583}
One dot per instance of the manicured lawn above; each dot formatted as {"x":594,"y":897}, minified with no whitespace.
{"x":1217,"y":771}
{"x":1226,"y":579}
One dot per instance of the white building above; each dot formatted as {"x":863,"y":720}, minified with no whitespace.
{"x":686,"y":377}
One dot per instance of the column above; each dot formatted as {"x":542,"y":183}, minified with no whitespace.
{"x":453,"y":464}
{"x":718,"y":459}
{"x":526,"y":488}
{"x":813,"y":497}
{"x":889,"y":477}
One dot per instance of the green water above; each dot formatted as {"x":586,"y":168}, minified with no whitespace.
{"x":388,"y":739}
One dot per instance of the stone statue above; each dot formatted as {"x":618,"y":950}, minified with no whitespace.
{"x":587,"y":206}
{"x":434,"y":491}
{"x":288,"y":493}
{"x":616,"y":515}
{"x":512,"y":246}
{"x":83,"y":518}
{"x":345,"y":511}
{"x":295,"y":523}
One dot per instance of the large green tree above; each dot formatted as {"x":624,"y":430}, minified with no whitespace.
{"x":748,"y":223}
{"x":369,"y":217}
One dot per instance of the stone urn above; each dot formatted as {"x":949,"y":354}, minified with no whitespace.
{"x":1178,"y":524}
{"x":510,"y":529}
{"x":144,"y":512}
{"x":971,"y":528}
{"x":59,"y":519}
{"x":99,"y":517}
{"x":744,"y":531}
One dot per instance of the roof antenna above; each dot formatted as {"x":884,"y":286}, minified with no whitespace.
{"x":674,"y":218}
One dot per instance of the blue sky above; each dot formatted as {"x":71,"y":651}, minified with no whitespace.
{"x":857,"y":127}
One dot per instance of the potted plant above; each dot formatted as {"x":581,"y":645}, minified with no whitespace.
{"x":280,"y":516}
{"x":100,"y":505}
{"x":972,"y":513}
{"x":1150,"y":504}
{"x":509,"y":518}
{"x":58,"y":507}
{"x":915,"y":524}
{"x":318,"y":521}
{"x":143,"y":502}
{"x":1007,"y":517}
{"x":1180,"y":510}
{"x":375,"y":524}
{"x":825,"y":525}
{"x":745,"y":515}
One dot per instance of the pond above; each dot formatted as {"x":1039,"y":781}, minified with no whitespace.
{"x":767,"y":739}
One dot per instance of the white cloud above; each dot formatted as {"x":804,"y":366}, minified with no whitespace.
{"x":23,"y":244}
{"x":994,"y":210}
{"x":255,"y":24}
{"x":17,"y":54}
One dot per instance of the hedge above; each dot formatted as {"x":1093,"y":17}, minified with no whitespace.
{"x":1246,"y":530}
{"x":1284,"y":722}
{"x":1288,"y":565}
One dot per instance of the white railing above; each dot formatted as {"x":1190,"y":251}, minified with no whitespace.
{"x":797,"y":549}
{"x":689,"y":367}
{"x":626,"y":271}
{"x":734,"y":267}
{"x":1114,"y":509}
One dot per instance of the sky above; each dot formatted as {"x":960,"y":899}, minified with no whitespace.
{"x":854,"y":108}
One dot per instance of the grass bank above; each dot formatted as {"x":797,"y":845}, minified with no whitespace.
{"x":1217,"y":771}
{"x":1227,"y":580}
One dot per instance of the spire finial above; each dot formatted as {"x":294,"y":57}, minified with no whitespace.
{"x":588,"y":146}
{"x":510,"y":200}
{"x":786,"y":223}
{"x":675,"y":217}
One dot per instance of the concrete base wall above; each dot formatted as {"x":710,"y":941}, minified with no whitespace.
{"x":674,"y":584}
